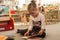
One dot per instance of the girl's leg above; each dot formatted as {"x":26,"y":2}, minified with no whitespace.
{"x":42,"y":36}
{"x":22,"y":32}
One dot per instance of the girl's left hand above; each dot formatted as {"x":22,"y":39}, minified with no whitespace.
{"x":40,"y":32}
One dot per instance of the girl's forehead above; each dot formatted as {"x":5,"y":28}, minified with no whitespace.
{"x":32,"y":8}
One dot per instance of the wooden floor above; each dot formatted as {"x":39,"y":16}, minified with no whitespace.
{"x":53,"y":32}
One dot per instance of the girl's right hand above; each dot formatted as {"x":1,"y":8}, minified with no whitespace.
{"x":26,"y":34}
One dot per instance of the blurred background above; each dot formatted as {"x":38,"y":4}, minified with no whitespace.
{"x":18,"y":9}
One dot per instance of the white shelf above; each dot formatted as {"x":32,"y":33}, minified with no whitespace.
{"x":3,"y":14}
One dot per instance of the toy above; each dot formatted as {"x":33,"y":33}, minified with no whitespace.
{"x":6,"y":22}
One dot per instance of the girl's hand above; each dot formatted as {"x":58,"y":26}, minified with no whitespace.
{"x":26,"y":34}
{"x":40,"y":32}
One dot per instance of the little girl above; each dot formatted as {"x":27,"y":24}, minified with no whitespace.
{"x":37,"y":22}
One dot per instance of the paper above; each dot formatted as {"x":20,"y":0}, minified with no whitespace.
{"x":25,"y":37}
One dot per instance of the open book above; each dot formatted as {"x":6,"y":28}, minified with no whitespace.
{"x":26,"y":37}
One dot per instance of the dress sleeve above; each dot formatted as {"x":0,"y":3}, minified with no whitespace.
{"x":30,"y":24}
{"x":42,"y":22}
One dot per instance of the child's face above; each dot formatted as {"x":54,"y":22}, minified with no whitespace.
{"x":33,"y":11}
